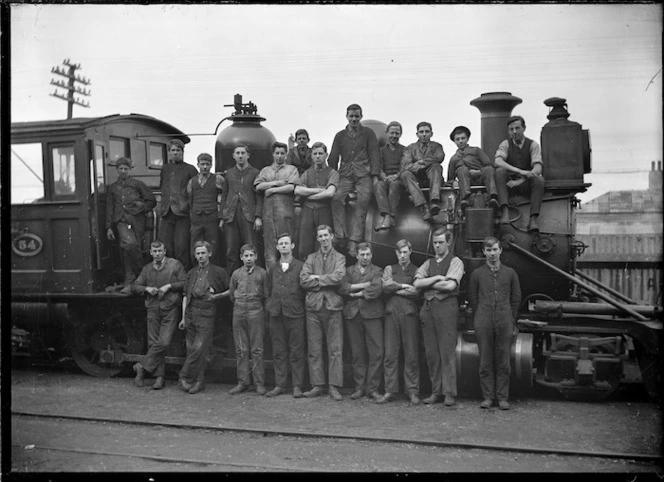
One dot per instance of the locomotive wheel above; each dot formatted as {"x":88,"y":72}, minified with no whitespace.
{"x":93,"y":342}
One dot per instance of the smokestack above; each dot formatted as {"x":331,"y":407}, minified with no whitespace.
{"x":655,"y":177}
{"x":496,"y":108}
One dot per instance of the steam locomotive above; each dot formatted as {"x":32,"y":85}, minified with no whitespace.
{"x":575,"y":334}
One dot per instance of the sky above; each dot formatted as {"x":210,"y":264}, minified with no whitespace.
{"x":303,"y":64}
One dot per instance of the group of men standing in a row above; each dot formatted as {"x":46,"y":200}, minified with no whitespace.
{"x":319,"y":299}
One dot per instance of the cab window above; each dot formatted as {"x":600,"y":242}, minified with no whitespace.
{"x":64,"y":171}
{"x":157,"y":155}
{"x":27,"y":178}
{"x":118,"y":147}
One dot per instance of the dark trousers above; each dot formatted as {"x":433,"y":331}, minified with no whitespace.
{"x":236,"y":233}
{"x":387,"y":196}
{"x":161,"y":326}
{"x":466,"y":179}
{"x":439,"y":330}
{"x":273,"y":227}
{"x":248,"y":332}
{"x":199,"y":325}
{"x":366,"y":347}
{"x":433,"y":173}
{"x":205,"y":227}
{"x":174,"y":233}
{"x":402,"y":329}
{"x":325,"y":327}
{"x":364,"y":188}
{"x":310,"y":219}
{"x":131,"y":246}
{"x":287,"y":336}
{"x":532,"y":188}
{"x":494,"y":339}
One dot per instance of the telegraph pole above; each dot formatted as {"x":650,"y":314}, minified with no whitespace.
{"x":69,"y":72}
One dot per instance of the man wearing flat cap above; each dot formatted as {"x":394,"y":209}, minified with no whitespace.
{"x":470,"y":164}
{"x":174,"y":210}
{"x":204,"y":194}
{"x":127,"y":202}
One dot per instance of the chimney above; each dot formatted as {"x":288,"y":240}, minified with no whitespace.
{"x":655,"y":177}
{"x":495,"y":109}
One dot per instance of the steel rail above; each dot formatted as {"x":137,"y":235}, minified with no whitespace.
{"x":369,"y":438}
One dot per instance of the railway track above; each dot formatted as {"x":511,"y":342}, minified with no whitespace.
{"x":305,"y":434}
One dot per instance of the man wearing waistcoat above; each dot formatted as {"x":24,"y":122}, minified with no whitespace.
{"x":363,"y":321}
{"x":241,"y":207}
{"x":204,"y":193}
{"x":206,"y":283}
{"x":355,"y":155}
{"x":174,"y":209}
{"x":402,"y":325}
{"x":439,"y":278}
{"x":494,"y":294}
{"x":316,"y":189}
{"x":519,"y":169}
{"x":300,"y":155}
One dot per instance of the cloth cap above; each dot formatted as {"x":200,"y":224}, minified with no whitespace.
{"x":123,"y":160}
{"x":176,"y":142}
{"x":459,"y":128}
{"x":204,"y":156}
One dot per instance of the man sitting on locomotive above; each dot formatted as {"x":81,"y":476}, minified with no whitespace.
{"x":300,"y":155}
{"x":128,"y":201}
{"x":388,"y":186}
{"x":469,"y":164}
{"x":422,"y":160}
{"x":316,"y":188}
{"x":518,"y":166}
{"x":161,"y":281}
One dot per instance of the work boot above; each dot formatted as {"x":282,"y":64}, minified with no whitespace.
{"x":464,"y":205}
{"x":158,"y":383}
{"x":388,"y":222}
{"x":197,"y":388}
{"x":314,"y":392}
{"x":432,"y":399}
{"x":275,"y":392}
{"x":297,"y":392}
{"x":435,"y":206}
{"x":505,"y":215}
{"x":357,"y":394}
{"x":533,"y":227}
{"x":138,"y":381}
{"x":426,"y":214}
{"x":184,"y":385}
{"x":486,"y":403}
{"x":414,"y":399}
{"x":334,"y":393}
{"x":493,"y":204}
{"x":261,"y":390}
{"x":375,"y":395}
{"x":449,"y":401}
{"x":239,"y":388}
{"x":388,"y":397}
{"x":352,"y":249}
{"x":503,"y":405}
{"x":379,"y":223}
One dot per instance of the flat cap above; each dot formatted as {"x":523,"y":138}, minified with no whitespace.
{"x":204,"y":156}
{"x":457,"y":129}
{"x":176,"y":142}
{"x":123,"y":161}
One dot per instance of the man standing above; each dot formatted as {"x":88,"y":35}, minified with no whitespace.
{"x":422,"y":160}
{"x":363,"y":315}
{"x":401,"y":325}
{"x":388,"y":187}
{"x":286,"y":309}
{"x":204,"y":193}
{"x":494,"y":295}
{"x":206,"y":283}
{"x":321,"y":276}
{"x":174,"y":209}
{"x":355,"y":152}
{"x":469,"y":164}
{"x":317,"y":187}
{"x":277,"y":183}
{"x":440,"y":278}
{"x":519,"y":169}
{"x":161,"y":282}
{"x":241,"y":207}
{"x":128,"y":200}
{"x":300,"y":155}
{"x":248,"y":291}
